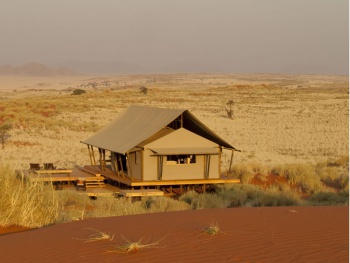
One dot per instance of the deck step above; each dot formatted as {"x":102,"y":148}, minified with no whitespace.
{"x":94,"y":182}
{"x":141,"y":192}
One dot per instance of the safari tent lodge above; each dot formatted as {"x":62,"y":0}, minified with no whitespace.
{"x":144,"y":151}
{"x":147,"y":146}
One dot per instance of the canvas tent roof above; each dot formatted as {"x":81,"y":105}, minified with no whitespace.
{"x":138,"y":123}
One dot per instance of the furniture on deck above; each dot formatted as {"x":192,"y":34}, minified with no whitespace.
{"x":49,"y":166}
{"x":34,"y":166}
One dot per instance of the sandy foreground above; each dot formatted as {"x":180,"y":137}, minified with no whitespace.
{"x":279,"y":234}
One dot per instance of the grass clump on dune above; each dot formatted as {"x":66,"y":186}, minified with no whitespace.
{"x":129,"y":246}
{"x":24,"y":203}
{"x":212,"y":229}
{"x":97,"y":236}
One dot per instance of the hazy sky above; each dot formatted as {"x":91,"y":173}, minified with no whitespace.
{"x":170,"y":36}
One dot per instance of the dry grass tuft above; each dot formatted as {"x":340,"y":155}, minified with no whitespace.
{"x":134,"y":246}
{"x":97,"y":236}
{"x":212,"y":229}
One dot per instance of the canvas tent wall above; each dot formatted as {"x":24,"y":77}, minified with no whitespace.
{"x":190,"y":153}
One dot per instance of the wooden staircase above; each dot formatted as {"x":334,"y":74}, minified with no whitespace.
{"x":97,"y":181}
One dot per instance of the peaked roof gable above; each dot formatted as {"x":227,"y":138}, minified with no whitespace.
{"x":138,"y":123}
{"x":181,"y":138}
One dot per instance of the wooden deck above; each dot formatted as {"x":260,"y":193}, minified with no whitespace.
{"x":107,"y":191}
{"x":94,"y":181}
{"x":185,"y":182}
{"x":47,"y":175}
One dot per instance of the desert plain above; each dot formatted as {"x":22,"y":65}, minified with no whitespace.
{"x":277,"y":120}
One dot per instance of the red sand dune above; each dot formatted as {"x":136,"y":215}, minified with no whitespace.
{"x":278,"y":234}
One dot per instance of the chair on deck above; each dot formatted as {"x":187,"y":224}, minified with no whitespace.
{"x":34,"y":166}
{"x":49,"y":166}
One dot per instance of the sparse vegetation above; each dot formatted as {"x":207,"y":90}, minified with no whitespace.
{"x":133,"y":246}
{"x":237,"y":195}
{"x":212,"y":229}
{"x":78,"y":92}
{"x":229,"y":111}
{"x":97,"y":236}
{"x":4,"y":133}
{"x":303,"y":176}
{"x":144,"y":90}
{"x":35,"y":204}
{"x":24,"y":203}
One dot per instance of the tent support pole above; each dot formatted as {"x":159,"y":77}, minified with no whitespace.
{"x":231,"y":161}
{"x":90,"y":154}
{"x":93,"y":155}
{"x":129,"y":165}
{"x":121,"y":164}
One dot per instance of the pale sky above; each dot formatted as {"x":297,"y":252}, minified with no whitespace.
{"x":178,"y":36}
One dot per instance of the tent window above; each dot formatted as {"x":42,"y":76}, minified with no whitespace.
{"x":175,"y":124}
{"x":181,"y":159}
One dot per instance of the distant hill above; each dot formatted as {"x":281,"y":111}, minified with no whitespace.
{"x":35,"y":69}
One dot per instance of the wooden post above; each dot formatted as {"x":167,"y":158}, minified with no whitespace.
{"x":129,"y":166}
{"x":142,"y":164}
{"x":229,"y":170}
{"x":114,"y":163}
{"x":90,"y":155}
{"x":206,"y":166}
{"x":93,"y":155}
{"x":121,"y":164}
{"x":219,"y":161}
{"x":100,"y":155}
{"x":160,"y":167}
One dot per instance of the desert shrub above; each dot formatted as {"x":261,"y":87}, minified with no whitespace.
{"x":110,"y":206}
{"x":72,"y":205}
{"x":78,"y":92}
{"x":329,"y":198}
{"x":205,"y":201}
{"x":256,"y":168}
{"x":144,"y":90}
{"x":334,"y":176}
{"x":188,"y":197}
{"x":276,"y":197}
{"x":202,"y":201}
{"x":242,"y":172}
{"x":232,"y":195}
{"x":237,"y":195}
{"x":342,"y":161}
{"x":4,"y":133}
{"x":24,"y":203}
{"x":77,"y":206}
{"x":302,"y":175}
{"x":229,"y":111}
{"x":163,"y":204}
